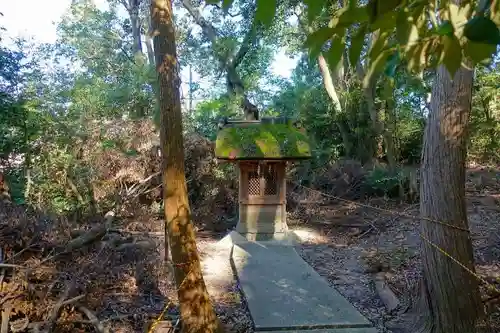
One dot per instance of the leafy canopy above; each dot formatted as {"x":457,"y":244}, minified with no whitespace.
{"x":417,"y":33}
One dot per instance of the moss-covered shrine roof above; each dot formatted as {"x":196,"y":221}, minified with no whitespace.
{"x":265,"y":141}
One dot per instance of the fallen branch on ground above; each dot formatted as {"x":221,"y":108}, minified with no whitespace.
{"x":391,"y":302}
{"x":6,"y":318}
{"x":56,"y":311}
{"x":94,"y":320}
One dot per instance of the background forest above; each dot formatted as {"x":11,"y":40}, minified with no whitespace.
{"x":67,"y":106}
{"x":79,"y":124}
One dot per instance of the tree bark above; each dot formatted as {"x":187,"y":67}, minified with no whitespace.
{"x":328,"y":82}
{"x":196,"y":309}
{"x":450,"y":294}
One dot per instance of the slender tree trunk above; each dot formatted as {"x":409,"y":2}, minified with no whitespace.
{"x":133,"y":10}
{"x":190,"y":89}
{"x":328,"y":82}
{"x":27,"y":156}
{"x":197,"y":312}
{"x":149,"y":48}
{"x":450,"y":294}
{"x":148,"y":40}
{"x":390,"y":125}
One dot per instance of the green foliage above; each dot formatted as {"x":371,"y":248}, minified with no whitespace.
{"x":15,"y":177}
{"x":306,"y":100}
{"x":484,"y":145}
{"x":398,"y":183}
{"x":55,"y":168}
{"x":114,"y":81}
{"x":266,"y":10}
{"x":383,"y":181}
{"x":482,"y":29}
{"x":206,"y":115}
{"x":56,"y":100}
{"x":409,"y":27}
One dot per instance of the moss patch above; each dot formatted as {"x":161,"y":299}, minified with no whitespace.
{"x":262,"y":141}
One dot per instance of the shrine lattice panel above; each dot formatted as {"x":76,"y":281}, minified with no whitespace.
{"x":263,"y":180}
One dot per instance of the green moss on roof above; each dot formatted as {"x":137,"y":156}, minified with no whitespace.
{"x":262,"y":141}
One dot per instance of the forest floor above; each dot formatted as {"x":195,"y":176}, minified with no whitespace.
{"x":115,"y":282}
{"x":353,"y":246}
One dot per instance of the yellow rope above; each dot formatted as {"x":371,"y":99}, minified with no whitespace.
{"x":477,"y":276}
{"x":467,"y":269}
{"x":159,"y":318}
{"x":385,"y":210}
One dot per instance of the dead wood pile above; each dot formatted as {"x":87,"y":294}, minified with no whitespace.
{"x":127,"y":173}
{"x":55,"y":278}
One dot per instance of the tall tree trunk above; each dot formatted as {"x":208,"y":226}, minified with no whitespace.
{"x":450,"y":294}
{"x":369,"y":92}
{"x":197,"y":312}
{"x":332,"y":93}
{"x":190,"y":107}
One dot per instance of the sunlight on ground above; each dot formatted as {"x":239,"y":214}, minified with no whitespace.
{"x":492,"y":270}
{"x":310,"y":235}
{"x":216,"y":265}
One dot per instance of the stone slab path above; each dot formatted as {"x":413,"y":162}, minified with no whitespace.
{"x":331,"y":330}
{"x":284,"y":293}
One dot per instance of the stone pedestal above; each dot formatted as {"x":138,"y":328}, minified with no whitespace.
{"x":262,"y":200}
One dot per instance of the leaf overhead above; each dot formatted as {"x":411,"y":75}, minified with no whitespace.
{"x":445,"y":28}
{"x":451,"y":56}
{"x":376,"y":67}
{"x":481,"y":29}
{"x":317,"y":39}
{"x":393,"y":62}
{"x":378,"y":9}
{"x":357,"y":42}
{"x":479,"y":52}
{"x":226,"y":4}
{"x":417,"y":27}
{"x":334,"y":53}
{"x":266,"y":10}
{"x":314,"y":8}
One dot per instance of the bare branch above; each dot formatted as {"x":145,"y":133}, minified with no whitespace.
{"x":58,"y":307}
{"x":125,"y":4}
{"x":207,"y":27}
{"x":94,"y":320}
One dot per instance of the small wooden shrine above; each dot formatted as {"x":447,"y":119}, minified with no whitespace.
{"x":261,"y":149}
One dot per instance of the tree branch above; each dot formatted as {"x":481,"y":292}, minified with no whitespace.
{"x":206,"y":27}
{"x":234,"y":82}
{"x":125,"y":4}
{"x":249,"y":41}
